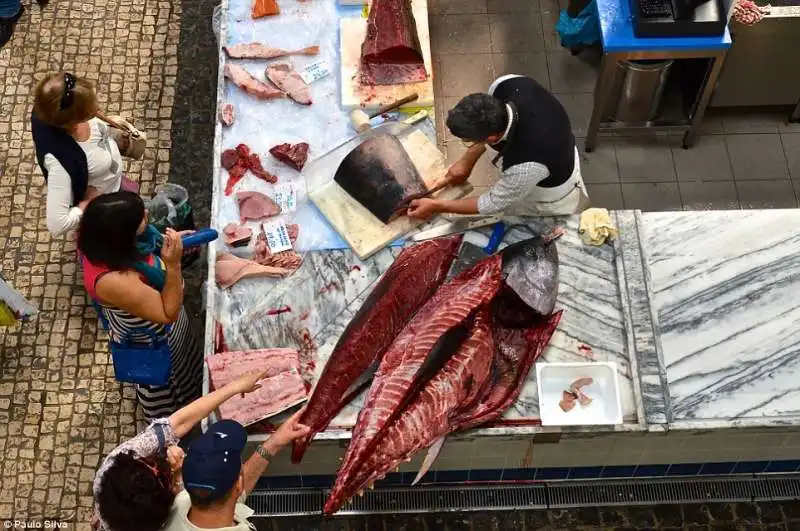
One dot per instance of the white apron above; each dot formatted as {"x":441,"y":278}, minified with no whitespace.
{"x":563,"y":200}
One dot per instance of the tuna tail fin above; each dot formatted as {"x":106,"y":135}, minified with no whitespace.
{"x":430,"y":458}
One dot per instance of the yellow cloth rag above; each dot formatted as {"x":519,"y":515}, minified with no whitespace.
{"x":596,"y":226}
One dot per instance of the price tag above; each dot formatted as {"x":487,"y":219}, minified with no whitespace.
{"x":365,"y":10}
{"x":315,"y":72}
{"x":285,"y":195}
{"x":277,"y":236}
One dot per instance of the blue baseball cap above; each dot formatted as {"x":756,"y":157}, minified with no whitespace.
{"x":213,"y":463}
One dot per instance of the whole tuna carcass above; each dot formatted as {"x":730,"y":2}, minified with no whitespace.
{"x":411,"y":280}
{"x":405,"y":367}
{"x":475,"y":386}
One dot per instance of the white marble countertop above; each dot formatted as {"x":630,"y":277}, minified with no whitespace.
{"x":698,"y":309}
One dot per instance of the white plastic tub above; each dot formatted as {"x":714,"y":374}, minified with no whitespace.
{"x":554,"y":378}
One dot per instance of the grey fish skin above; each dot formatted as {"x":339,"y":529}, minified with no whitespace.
{"x":531,"y":270}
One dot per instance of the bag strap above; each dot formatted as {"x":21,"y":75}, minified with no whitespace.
{"x":104,"y":321}
{"x":162,"y":441}
{"x":122,"y":126}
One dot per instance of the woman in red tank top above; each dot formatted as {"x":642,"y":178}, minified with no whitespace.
{"x":135,"y":278}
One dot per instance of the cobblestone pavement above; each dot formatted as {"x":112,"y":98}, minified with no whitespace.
{"x":60,"y":408}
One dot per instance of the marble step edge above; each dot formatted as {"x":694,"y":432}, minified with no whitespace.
{"x":641,"y":320}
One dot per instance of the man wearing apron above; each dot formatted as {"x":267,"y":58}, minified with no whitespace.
{"x":530,"y":131}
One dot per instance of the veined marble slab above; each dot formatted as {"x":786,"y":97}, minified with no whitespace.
{"x":330,"y":287}
{"x":726,"y":291}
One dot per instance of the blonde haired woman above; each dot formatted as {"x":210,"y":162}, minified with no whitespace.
{"x":78,"y":153}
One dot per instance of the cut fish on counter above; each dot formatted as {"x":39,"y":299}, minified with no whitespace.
{"x":236,"y":235}
{"x":255,"y":205}
{"x":286,"y":259}
{"x":285,"y":78}
{"x":411,"y":280}
{"x":265,"y":8}
{"x":459,"y":363}
{"x":238,"y":161}
{"x":391,"y":53}
{"x":245,"y":81}
{"x":257,"y":50}
{"x":230,"y":269}
{"x":295,"y":155}
{"x":281,"y":388}
{"x":227,"y":114}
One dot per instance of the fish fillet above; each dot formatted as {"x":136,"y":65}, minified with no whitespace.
{"x":245,"y":81}
{"x":411,"y":279}
{"x":257,"y":50}
{"x":285,"y":78}
{"x":452,"y":303}
{"x":230,"y":269}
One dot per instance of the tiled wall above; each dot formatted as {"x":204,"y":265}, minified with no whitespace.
{"x":554,"y":456}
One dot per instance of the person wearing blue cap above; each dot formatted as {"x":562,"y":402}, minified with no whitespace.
{"x":137,"y":483}
{"x":215,"y":480}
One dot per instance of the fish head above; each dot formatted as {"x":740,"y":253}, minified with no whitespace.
{"x":530,"y":269}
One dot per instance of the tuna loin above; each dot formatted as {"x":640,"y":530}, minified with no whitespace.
{"x":265,"y":8}
{"x":391,"y":53}
{"x":230,"y":269}
{"x":290,"y":82}
{"x":449,"y":307}
{"x":402,"y":290}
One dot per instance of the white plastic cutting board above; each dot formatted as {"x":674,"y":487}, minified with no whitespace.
{"x":365,"y":233}
{"x":351,"y":34}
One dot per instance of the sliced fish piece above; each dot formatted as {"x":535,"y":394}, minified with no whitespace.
{"x":257,"y":50}
{"x":245,"y":81}
{"x":286,"y":79}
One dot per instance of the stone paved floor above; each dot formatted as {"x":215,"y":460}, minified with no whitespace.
{"x":155,"y":61}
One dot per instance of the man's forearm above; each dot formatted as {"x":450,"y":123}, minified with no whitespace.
{"x":473,"y":154}
{"x":255,"y":467}
{"x":458,"y":206}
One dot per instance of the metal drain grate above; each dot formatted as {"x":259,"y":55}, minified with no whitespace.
{"x":543,"y":495}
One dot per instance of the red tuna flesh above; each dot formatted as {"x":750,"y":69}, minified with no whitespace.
{"x":391,"y":53}
{"x":411,"y":280}
{"x":295,"y":155}
{"x":450,"y":306}
{"x":429,"y":416}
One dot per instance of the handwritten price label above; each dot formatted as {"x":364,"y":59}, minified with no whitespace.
{"x":285,"y":195}
{"x":315,"y":72}
{"x":277,"y":236}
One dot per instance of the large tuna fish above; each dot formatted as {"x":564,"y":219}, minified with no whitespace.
{"x":411,"y":280}
{"x":459,"y":363}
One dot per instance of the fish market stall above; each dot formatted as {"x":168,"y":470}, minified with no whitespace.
{"x":307,"y":272}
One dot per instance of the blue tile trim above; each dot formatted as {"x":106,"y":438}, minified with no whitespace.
{"x":782,"y":466}
{"x":486,"y":474}
{"x":711,"y":469}
{"x":623,"y":471}
{"x":452,"y":476}
{"x":318,"y":482}
{"x":684,"y":469}
{"x":750,"y":467}
{"x":585,"y":472}
{"x":518,"y":474}
{"x":650,"y":471}
{"x":543,"y":474}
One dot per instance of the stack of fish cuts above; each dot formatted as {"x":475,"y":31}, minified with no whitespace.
{"x":450,"y":355}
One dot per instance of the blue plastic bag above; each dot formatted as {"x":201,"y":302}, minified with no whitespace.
{"x":582,"y":30}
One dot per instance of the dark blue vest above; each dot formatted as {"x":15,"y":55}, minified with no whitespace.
{"x":542,"y":132}
{"x":57,"y":142}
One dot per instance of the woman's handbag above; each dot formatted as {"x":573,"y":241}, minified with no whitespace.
{"x":134,"y":142}
{"x":140,"y":363}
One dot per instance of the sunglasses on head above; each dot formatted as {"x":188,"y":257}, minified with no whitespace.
{"x":68,"y":95}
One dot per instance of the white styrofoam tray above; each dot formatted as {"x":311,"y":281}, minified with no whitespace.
{"x":554,"y":378}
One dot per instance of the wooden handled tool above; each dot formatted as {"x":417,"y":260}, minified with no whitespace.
{"x":360,"y":120}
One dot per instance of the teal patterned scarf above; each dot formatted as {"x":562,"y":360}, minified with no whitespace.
{"x":147,"y":243}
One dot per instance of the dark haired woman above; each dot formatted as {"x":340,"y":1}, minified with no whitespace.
{"x":134,"y":274}
{"x":136,"y":484}
{"x":78,"y":153}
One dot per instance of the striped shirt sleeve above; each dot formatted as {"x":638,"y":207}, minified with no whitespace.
{"x":516,"y":182}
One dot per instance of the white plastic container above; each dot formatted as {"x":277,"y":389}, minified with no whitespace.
{"x":554,"y":378}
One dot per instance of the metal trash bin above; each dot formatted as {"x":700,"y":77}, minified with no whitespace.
{"x":639,"y":89}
